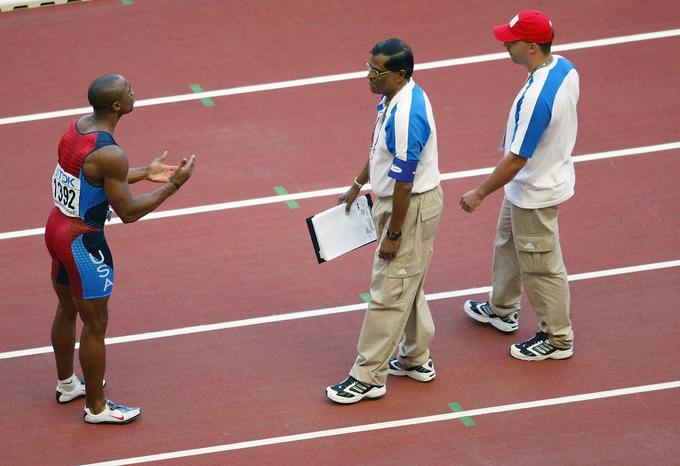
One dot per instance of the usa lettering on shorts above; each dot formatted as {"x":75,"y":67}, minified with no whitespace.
{"x":103,"y":270}
{"x":66,"y":192}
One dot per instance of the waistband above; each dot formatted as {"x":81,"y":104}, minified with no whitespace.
{"x":414,"y":194}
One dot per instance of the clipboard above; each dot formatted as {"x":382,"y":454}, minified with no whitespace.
{"x":335,"y":233}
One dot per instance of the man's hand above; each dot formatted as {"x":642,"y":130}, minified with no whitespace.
{"x":183,"y":172}
{"x":389,"y":248}
{"x":349,"y":197}
{"x":471,"y":200}
{"x":505,"y":171}
{"x":158,"y":171}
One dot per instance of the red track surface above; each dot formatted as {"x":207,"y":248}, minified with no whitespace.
{"x":266,"y":381}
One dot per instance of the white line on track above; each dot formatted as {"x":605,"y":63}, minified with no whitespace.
{"x":395,"y":424}
{"x":340,"y":190}
{"x":342,"y":76}
{"x":328,"y":311}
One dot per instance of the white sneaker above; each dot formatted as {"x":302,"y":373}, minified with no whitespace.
{"x":481,"y":312}
{"x":423,"y":373}
{"x":112,"y":414}
{"x":71,"y":391}
{"x":351,"y":391}
{"x":66,"y":393}
{"x":538,"y":348}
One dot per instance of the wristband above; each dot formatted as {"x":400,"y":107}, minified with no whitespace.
{"x":175,"y":183}
{"x":357,"y":183}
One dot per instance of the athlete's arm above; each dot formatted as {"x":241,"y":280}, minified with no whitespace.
{"x":505,"y":171}
{"x":114,"y":169}
{"x":157,"y":171}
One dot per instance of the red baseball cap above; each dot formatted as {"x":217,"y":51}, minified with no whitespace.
{"x":528,"y":25}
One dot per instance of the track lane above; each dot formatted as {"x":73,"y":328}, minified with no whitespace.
{"x":234,"y":399}
{"x":237,"y":280}
{"x":249,"y":143}
{"x":231,"y":42}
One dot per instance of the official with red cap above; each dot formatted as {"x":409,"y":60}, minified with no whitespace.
{"x":537,"y":174}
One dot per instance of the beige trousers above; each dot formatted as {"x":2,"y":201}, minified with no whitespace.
{"x":527,"y":255}
{"x":398,"y":306}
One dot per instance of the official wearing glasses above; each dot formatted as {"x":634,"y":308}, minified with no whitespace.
{"x":404,"y":174}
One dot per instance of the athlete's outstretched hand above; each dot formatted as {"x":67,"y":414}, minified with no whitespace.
{"x":159,"y":172}
{"x":183,"y":172}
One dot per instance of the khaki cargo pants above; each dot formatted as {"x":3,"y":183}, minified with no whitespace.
{"x":527,"y":255}
{"x":398,"y":306}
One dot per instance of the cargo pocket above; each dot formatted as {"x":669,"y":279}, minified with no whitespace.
{"x":430,"y":219}
{"x":400,"y":283}
{"x":536,"y":254}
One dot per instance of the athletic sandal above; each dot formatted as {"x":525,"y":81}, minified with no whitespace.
{"x":423,"y":373}
{"x":64,"y":396}
{"x":352,"y":391}
{"x":538,"y":348}
{"x":112,"y":414}
{"x":481,"y":312}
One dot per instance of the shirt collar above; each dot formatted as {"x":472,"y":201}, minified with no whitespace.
{"x":407,"y":88}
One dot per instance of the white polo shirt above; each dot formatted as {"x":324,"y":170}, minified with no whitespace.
{"x":404,"y":144}
{"x":542,"y":127}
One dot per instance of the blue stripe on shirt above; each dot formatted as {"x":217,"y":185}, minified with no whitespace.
{"x":390,"y":136}
{"x":519,"y":107}
{"x":418,"y":125}
{"x":542,"y":114}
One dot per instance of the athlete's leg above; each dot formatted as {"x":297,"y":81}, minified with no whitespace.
{"x":64,"y":331}
{"x":94,"y":314}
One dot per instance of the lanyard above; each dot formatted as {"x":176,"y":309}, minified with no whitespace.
{"x":379,"y":122}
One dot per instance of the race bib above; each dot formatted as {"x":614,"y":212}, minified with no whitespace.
{"x":66,"y":192}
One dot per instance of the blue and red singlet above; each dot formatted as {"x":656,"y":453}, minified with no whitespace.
{"x":75,"y":228}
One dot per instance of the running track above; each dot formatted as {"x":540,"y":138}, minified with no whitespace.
{"x":263,"y":379}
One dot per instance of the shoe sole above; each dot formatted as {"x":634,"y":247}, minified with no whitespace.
{"x":373,"y":394}
{"x":125,"y":421}
{"x":557,"y":355}
{"x":501,"y":326}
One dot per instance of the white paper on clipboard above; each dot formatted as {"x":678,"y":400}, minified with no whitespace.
{"x":337,"y":233}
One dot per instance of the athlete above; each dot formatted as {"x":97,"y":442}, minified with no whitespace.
{"x":92,"y":174}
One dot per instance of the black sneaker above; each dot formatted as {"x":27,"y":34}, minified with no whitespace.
{"x":422,"y":373}
{"x":351,"y":390}
{"x":481,"y":312}
{"x":539,"y":348}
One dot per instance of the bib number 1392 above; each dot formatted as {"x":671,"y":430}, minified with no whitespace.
{"x":65,"y":192}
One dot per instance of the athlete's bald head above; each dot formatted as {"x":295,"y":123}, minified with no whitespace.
{"x":105,"y":90}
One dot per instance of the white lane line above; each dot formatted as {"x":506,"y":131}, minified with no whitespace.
{"x":342,"y":76}
{"x":340,"y":190}
{"x":395,"y":424}
{"x":327,"y":311}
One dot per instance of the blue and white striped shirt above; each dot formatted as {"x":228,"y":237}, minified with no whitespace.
{"x":404,"y":143}
{"x":542,"y":127}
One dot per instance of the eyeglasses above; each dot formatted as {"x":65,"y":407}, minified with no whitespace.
{"x":373,"y":73}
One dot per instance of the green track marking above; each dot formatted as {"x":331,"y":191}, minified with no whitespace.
{"x":126,"y":2}
{"x":365,"y":297}
{"x":206,"y":101}
{"x":280,"y":190}
{"x":465,"y":420}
